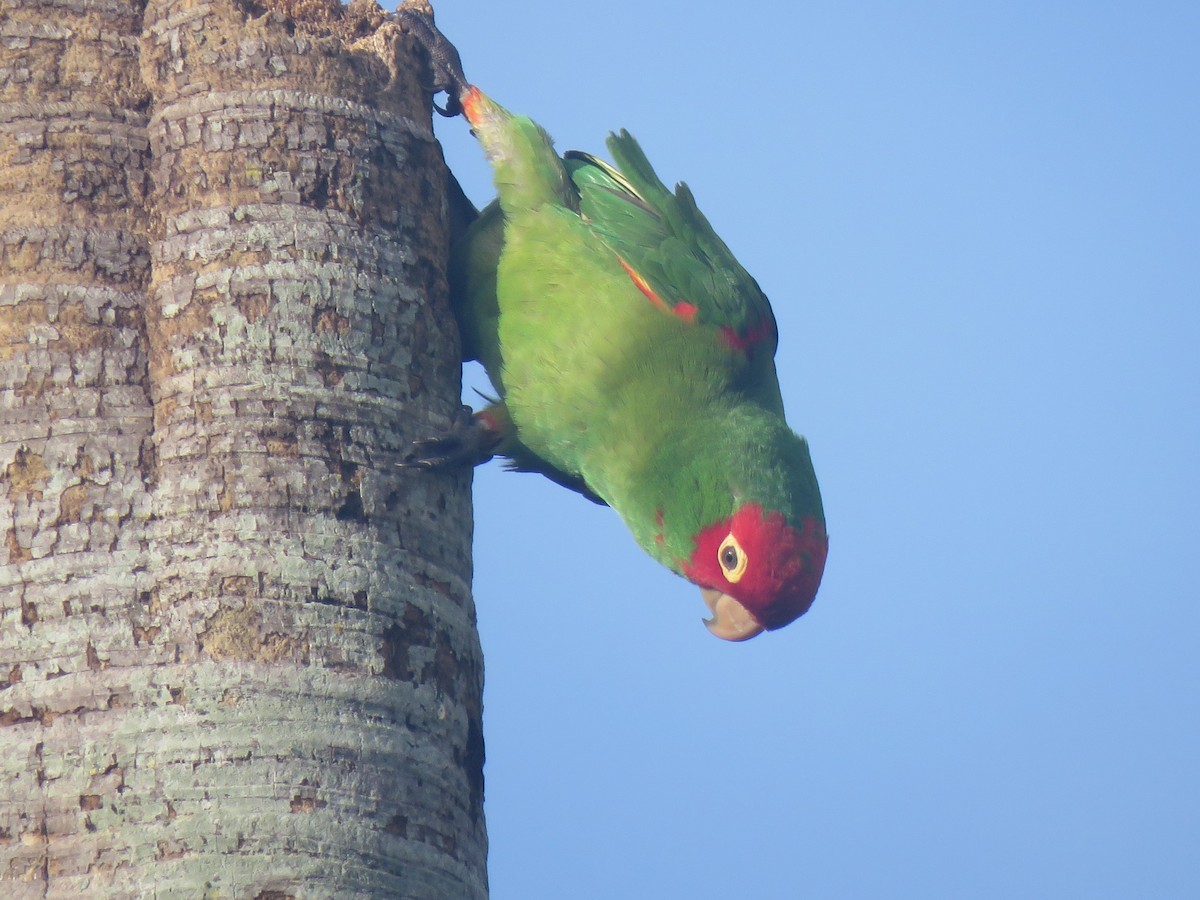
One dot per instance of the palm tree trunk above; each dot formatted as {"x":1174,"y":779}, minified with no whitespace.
{"x":237,"y":643}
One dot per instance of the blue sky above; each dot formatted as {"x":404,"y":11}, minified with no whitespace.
{"x":979,"y":226}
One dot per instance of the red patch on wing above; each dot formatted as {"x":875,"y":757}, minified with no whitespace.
{"x":762,"y":330}
{"x":784,"y":568}
{"x":683,"y":309}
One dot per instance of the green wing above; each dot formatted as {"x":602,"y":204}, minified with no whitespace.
{"x":668,"y":246}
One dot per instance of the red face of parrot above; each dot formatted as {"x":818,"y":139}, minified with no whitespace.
{"x":757,"y":572}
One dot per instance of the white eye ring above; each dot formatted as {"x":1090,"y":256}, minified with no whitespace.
{"x":733,"y":559}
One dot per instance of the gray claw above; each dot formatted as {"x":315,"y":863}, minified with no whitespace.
{"x":417,"y":19}
{"x":469,"y":442}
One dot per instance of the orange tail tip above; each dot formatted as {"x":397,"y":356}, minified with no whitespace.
{"x":472,"y":102}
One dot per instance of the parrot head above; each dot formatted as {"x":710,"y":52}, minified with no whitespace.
{"x":732,"y":504}
{"x":756,"y":571}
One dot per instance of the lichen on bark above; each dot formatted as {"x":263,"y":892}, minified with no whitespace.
{"x":237,"y":643}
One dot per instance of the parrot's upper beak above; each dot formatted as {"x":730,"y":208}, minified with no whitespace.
{"x":730,"y":620}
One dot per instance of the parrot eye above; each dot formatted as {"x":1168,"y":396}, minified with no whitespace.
{"x":733,"y":559}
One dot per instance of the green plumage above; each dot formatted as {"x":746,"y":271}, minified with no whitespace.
{"x":631,"y":350}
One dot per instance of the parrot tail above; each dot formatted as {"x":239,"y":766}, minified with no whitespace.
{"x":527,"y":170}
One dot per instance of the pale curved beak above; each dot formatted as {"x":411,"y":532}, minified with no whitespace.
{"x":730,"y":620}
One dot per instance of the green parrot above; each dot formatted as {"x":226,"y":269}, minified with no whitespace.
{"x":634,"y":361}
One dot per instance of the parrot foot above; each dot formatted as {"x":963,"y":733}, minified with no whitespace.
{"x":471,"y":441}
{"x":416,"y":16}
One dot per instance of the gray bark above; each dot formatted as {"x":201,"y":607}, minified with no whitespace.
{"x":237,"y":645}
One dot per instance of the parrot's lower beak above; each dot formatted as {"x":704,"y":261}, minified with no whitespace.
{"x":730,"y":620}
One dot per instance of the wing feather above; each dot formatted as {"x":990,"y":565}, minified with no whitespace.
{"x":666,"y":240}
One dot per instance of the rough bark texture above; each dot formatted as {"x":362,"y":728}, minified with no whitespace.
{"x":237,"y":644}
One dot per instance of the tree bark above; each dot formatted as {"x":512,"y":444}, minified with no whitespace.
{"x":237,"y":644}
